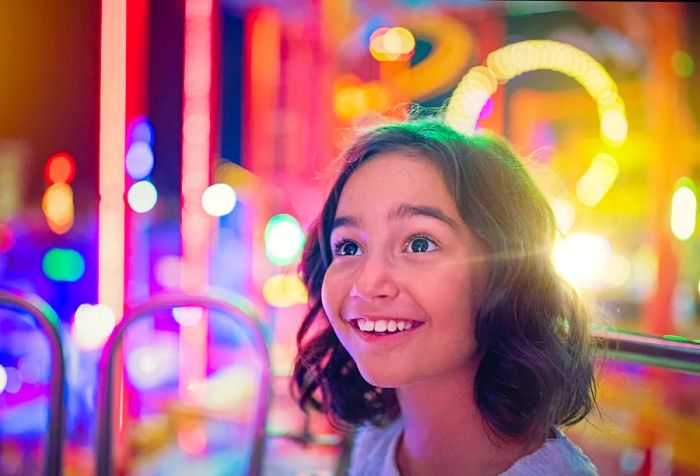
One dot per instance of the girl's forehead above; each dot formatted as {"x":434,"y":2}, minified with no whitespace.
{"x":403,"y":165}
{"x":389,"y":180}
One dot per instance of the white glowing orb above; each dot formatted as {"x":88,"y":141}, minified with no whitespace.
{"x":565,"y":214}
{"x":188,"y":316}
{"x":219,"y":199}
{"x":683,"y":212}
{"x":142,"y":196}
{"x":582,"y":258}
{"x":613,"y":125}
{"x":92,"y":325}
{"x":618,"y":271}
{"x":13,"y":380}
{"x":153,"y":365}
{"x":3,"y":378}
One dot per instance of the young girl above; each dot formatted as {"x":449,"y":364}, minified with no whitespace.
{"x":437,"y":323}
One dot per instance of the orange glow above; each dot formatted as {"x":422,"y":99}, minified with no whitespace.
{"x":60,"y":168}
{"x":196,"y":169}
{"x":57,"y":204}
{"x":111,"y":154}
{"x":192,"y":438}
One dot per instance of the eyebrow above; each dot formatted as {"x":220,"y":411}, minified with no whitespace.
{"x":404,"y":210}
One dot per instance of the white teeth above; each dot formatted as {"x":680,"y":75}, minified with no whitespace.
{"x":383,"y":325}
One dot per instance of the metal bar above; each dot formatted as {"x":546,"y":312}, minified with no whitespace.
{"x":50,"y":324}
{"x":241,"y":312}
{"x":666,"y":352}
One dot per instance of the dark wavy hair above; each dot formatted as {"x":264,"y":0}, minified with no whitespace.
{"x":531,"y":329}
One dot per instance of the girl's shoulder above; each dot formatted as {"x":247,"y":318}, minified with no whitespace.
{"x":373,"y":450}
{"x":558,"y":456}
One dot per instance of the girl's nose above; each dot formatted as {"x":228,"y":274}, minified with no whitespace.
{"x":375,"y":279}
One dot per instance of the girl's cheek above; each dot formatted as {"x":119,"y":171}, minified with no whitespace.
{"x":336,"y":287}
{"x":329,"y":292}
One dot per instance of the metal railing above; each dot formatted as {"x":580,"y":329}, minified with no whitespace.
{"x":670,"y":352}
{"x":50,"y":325}
{"x":240,"y":312}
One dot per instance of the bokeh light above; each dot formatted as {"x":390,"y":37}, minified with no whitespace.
{"x":153,"y":365}
{"x":192,"y":438}
{"x":13,"y":380}
{"x":618,"y":271}
{"x":7,"y":238}
{"x":142,"y":131}
{"x":392,"y":44}
{"x":139,"y":160}
{"x":283,"y":290}
{"x":564,"y":213}
{"x":60,"y":168}
{"x":142,"y":196}
{"x":188,"y":316}
{"x":504,"y":64}
{"x":92,"y":325}
{"x":613,"y":126}
{"x":597,"y":180}
{"x":167,"y":271}
{"x":31,"y":369}
{"x":3,"y":378}
{"x":64,"y":265}
{"x":284,"y":239}
{"x":682,"y":63}
{"x":57,"y":204}
{"x":582,"y":258}
{"x":684,"y":209}
{"x":219,"y":199}
{"x":352,"y":98}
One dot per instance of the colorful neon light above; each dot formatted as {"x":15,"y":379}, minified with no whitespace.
{"x":110,"y":288}
{"x":196,"y":165}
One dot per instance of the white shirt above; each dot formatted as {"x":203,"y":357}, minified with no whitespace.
{"x":374,"y":453}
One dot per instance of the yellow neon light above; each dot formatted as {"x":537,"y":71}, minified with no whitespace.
{"x":513,"y":60}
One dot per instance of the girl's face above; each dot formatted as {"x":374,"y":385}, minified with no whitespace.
{"x":407,"y":275}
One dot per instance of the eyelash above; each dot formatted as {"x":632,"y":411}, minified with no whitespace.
{"x":338,"y":246}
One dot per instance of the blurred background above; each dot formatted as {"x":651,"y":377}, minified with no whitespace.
{"x":161,"y":147}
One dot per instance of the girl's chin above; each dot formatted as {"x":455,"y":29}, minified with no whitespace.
{"x":383,"y":379}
